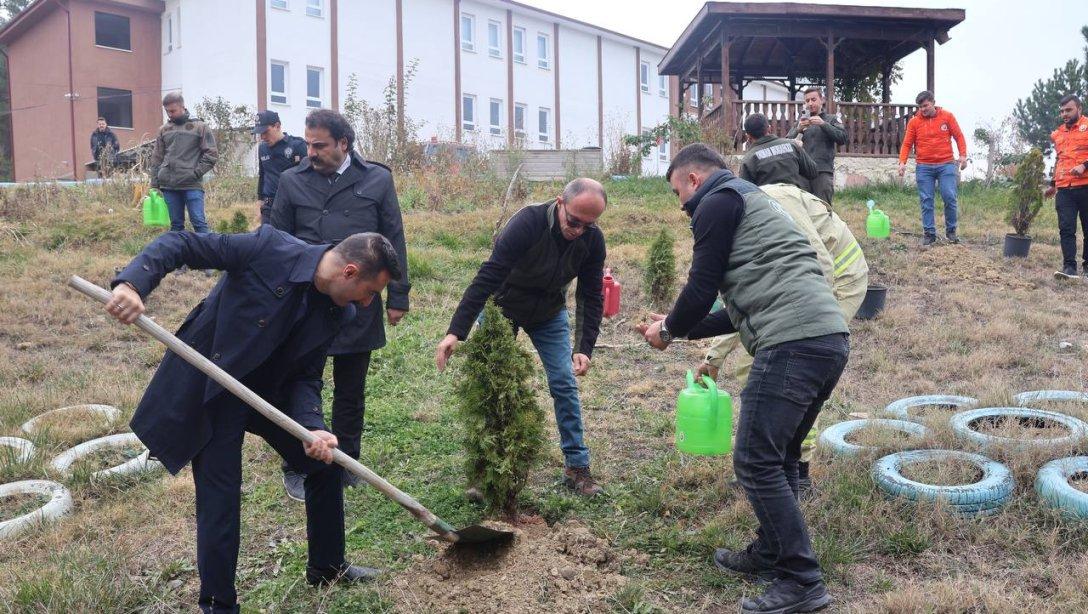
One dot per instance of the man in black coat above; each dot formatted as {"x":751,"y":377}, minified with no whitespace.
{"x":268,"y":323}
{"x":104,"y":146}
{"x":330,"y":195}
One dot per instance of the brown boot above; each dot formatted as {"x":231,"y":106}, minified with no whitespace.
{"x":581,"y":481}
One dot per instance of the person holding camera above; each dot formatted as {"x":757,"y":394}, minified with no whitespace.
{"x":820,"y":132}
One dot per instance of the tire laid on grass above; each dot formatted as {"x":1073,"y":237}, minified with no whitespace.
{"x":963,"y":421}
{"x":22,"y":448}
{"x":1052,"y":485}
{"x":59,"y":504}
{"x":987,"y":495}
{"x":63,"y":462}
{"x":1035,"y":396}
{"x":109,"y":413}
{"x":834,"y":437}
{"x":900,"y":409}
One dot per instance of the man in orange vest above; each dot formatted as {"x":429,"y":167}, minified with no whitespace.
{"x":1070,"y":183}
{"x":931,"y":132}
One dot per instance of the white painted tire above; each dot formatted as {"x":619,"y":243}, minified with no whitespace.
{"x":900,"y":409}
{"x":834,"y":437}
{"x":963,"y":427}
{"x":60,"y":503}
{"x":23,"y":448}
{"x":1024,"y":398}
{"x":108,"y":413}
{"x":63,"y":462}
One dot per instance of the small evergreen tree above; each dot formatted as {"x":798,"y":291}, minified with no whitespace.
{"x":660,"y":270}
{"x":504,"y":425}
{"x":1027,"y":195}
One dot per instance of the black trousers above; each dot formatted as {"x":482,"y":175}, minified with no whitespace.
{"x":349,"y":399}
{"x":1071,"y":203}
{"x":786,"y":389}
{"x":823,"y":186}
{"x":217,"y":473}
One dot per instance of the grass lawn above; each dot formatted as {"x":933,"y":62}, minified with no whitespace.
{"x":959,"y":320}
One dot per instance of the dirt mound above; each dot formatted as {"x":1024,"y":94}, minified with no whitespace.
{"x":559,"y":569}
{"x":964,"y":264}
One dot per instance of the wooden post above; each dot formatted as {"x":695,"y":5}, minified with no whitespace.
{"x":886,"y":83}
{"x":830,"y":93}
{"x":727,"y":94}
{"x":931,"y":64}
{"x":699,"y":86}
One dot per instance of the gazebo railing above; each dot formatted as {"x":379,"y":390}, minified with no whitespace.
{"x":872,"y":129}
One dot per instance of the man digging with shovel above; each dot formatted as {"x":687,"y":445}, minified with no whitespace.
{"x":268,"y":323}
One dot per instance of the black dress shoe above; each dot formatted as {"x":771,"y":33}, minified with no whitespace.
{"x":786,"y":596}
{"x":744,"y":563}
{"x":345,"y":573}
{"x":295,"y":484}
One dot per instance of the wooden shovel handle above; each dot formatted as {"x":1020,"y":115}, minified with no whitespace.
{"x":191,"y":356}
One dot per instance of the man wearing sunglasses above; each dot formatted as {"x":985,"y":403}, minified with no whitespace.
{"x":538,"y":253}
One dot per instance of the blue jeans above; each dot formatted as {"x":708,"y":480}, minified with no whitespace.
{"x":928,"y":176}
{"x":177,"y":201}
{"x":552,"y":342}
{"x":786,"y":389}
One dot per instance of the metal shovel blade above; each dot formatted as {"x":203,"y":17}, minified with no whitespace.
{"x":481,"y":535}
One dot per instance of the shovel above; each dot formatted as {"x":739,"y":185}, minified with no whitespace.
{"x":474,"y":534}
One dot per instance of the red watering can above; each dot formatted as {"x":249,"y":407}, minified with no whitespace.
{"x":610,"y":288}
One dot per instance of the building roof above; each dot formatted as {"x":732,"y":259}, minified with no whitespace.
{"x":782,"y":38}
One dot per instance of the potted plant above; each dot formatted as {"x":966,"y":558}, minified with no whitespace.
{"x":1025,"y":202}
{"x":876,"y":294}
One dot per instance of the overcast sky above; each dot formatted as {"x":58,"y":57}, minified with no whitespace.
{"x":993,"y":58}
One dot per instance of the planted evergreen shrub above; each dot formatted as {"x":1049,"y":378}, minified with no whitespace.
{"x":1027,"y":194}
{"x":660,"y":270}
{"x":504,"y":425}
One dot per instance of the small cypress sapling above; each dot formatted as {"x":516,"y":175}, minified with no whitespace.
{"x":661,"y":270}
{"x":1027,"y":193}
{"x":504,"y":425}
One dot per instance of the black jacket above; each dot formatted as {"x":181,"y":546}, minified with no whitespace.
{"x":363,"y":199}
{"x":262,"y":318}
{"x":529,"y":272}
{"x":272,"y":161}
{"x":776,"y":160}
{"x":104,"y":140}
{"x":820,"y":141}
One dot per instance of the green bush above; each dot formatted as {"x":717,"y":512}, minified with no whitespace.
{"x":660,"y":270}
{"x":237,"y":224}
{"x":504,"y":425}
{"x":1027,"y":195}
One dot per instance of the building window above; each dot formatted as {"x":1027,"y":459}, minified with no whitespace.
{"x":278,"y":82}
{"x":279,"y":4}
{"x":519,"y":45}
{"x":468,"y":112}
{"x":519,"y":119}
{"x":663,"y":150}
{"x":314,"y":8}
{"x":663,"y":86}
{"x":116,"y":106}
{"x":694,"y":88}
{"x":543,"y":51}
{"x":494,"y":39}
{"x":177,"y":26}
{"x":468,"y":32}
{"x":644,"y":76}
{"x":544,"y":121}
{"x":495,"y":115}
{"x":112,"y":31}
{"x":313,"y":87}
{"x":168,"y":33}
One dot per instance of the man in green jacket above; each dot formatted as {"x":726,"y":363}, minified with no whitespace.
{"x":772,"y":159}
{"x":184,"y":152}
{"x":776,"y":298}
{"x":820,"y":132}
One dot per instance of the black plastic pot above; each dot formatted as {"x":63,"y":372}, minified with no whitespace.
{"x":1017,"y":246}
{"x":873,"y":304}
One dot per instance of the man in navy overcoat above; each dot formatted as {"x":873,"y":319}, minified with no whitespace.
{"x":268,"y":322}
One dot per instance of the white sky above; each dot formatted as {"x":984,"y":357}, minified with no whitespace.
{"x":993,"y":58}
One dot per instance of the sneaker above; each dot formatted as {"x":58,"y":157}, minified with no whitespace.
{"x":581,"y":481}
{"x":1069,"y":272}
{"x":952,"y":237}
{"x":344,"y":574}
{"x":744,"y":563}
{"x":804,"y":482}
{"x":785,"y":595}
{"x":295,"y":484}
{"x":928,"y":240}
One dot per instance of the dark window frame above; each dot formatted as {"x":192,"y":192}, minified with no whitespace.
{"x":112,"y":40}
{"x":115,"y":99}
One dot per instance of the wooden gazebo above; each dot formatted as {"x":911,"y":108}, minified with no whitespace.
{"x":798,"y":45}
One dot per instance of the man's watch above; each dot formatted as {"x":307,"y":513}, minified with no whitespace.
{"x":664,"y":333}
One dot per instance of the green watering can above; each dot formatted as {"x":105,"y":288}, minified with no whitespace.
{"x":704,"y":419}
{"x":877,"y":225}
{"x":155,"y":213}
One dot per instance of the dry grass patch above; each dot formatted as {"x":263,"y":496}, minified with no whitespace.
{"x":15,"y":505}
{"x":949,"y":472}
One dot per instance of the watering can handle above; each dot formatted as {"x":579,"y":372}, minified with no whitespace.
{"x":709,"y":383}
{"x":691,"y":379}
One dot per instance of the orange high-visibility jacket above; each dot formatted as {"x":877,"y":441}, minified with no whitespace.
{"x":932,"y":137}
{"x":1071,"y":145}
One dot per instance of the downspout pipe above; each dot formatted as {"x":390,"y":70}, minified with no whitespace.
{"x":71,"y":90}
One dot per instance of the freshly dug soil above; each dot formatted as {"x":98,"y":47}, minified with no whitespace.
{"x":13,"y":506}
{"x":559,"y":570}
{"x":105,"y":458}
{"x":942,"y":472}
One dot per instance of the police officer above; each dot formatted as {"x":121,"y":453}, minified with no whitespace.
{"x":278,"y":152}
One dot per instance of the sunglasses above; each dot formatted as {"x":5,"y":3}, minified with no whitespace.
{"x":575,"y":223}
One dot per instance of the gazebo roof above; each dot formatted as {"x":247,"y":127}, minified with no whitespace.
{"x":783,"y":39}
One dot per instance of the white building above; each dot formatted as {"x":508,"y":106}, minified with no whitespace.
{"x":489,"y":72}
